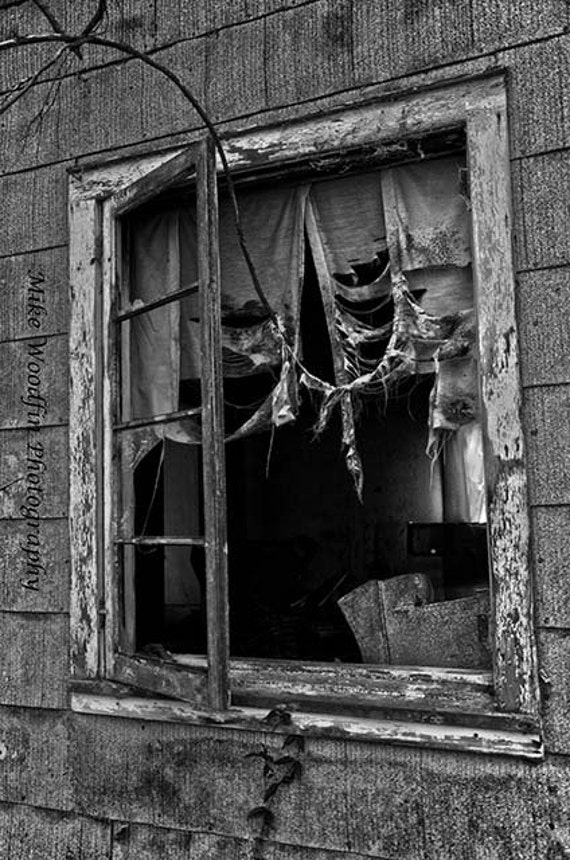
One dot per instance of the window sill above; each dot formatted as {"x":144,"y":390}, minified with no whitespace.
{"x":526,"y":745}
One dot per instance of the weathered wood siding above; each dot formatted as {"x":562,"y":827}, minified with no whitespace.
{"x":88,"y":788}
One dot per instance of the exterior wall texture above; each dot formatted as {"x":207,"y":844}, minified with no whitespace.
{"x":88,"y":788}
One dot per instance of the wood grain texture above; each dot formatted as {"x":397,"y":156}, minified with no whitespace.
{"x":539,"y":100}
{"x":33,"y":659}
{"x":367,"y":800}
{"x":235,"y":72}
{"x":309,"y":51}
{"x":164,"y":774}
{"x":22,"y":363}
{"x":34,"y":767}
{"x":27,"y":583}
{"x":496,"y":24}
{"x":164,"y":110}
{"x":493,"y":809}
{"x":540,"y":186}
{"x":84,"y":525}
{"x":213,"y":450}
{"x":554,"y":655}
{"x":514,"y":655}
{"x":547,"y":429}
{"x":15,"y":486}
{"x":393,"y":39}
{"x":27,"y":833}
{"x":33,"y":211}
{"x":49,"y":268}
{"x":551,"y":555}
{"x":544,"y":325}
{"x":142,"y":842}
{"x":504,"y":736}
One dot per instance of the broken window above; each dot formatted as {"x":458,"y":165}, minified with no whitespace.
{"x":355,"y":485}
{"x":351,"y":430}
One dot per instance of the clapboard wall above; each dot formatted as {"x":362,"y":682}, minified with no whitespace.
{"x":82,"y":787}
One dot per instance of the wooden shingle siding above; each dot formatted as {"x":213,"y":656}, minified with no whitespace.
{"x":547,"y":413}
{"x":543,"y":298}
{"x":33,"y":659}
{"x":551,"y":526}
{"x":554,"y":656}
{"x":84,"y":787}
{"x":15,"y":272}
{"x":23,"y":357}
{"x":539,"y":98}
{"x":242,"y":92}
{"x":42,"y":834}
{"x":33,"y":214}
{"x":34,"y":742}
{"x":25,"y":588}
{"x":540,"y":185}
{"x":13,"y":454}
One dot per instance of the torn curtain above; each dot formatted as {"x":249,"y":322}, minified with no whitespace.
{"x":396,"y":239}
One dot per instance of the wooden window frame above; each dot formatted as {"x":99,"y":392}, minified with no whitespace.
{"x":494,"y":711}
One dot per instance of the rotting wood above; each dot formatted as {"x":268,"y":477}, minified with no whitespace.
{"x":84,"y":254}
{"x":398,"y":732}
{"x":473,"y":102}
{"x":213,"y":452}
{"x":160,"y":677}
{"x":509,"y":534}
{"x":395,"y":686}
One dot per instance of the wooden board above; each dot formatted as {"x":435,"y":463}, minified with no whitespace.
{"x":539,"y":101}
{"x":544,"y":326}
{"x":27,"y":833}
{"x":495,"y":811}
{"x":369,"y":799}
{"x":30,"y":492}
{"x":164,"y":110}
{"x":34,"y":663}
{"x":496,"y":24}
{"x":241,"y":90}
{"x":34,"y":766}
{"x":142,"y":842}
{"x":554,"y":654}
{"x":548,"y":435}
{"x":309,"y":52}
{"x":551,"y":555}
{"x":34,"y":210}
{"x":392,"y":39}
{"x":34,"y":392}
{"x":34,"y":566}
{"x":540,"y":188}
{"x":22,"y":279}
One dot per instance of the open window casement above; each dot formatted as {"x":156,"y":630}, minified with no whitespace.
{"x":392,"y":331}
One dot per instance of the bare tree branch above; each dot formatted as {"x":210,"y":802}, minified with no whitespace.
{"x":96,"y":19}
{"x":73,"y":42}
{"x":26,"y":85}
{"x":49,"y":16}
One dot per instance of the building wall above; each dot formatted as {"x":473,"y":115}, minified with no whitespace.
{"x":84,"y":787}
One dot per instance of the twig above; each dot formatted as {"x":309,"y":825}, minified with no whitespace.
{"x":49,"y":16}
{"x":26,"y":85}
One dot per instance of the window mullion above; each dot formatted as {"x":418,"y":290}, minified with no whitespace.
{"x":215,"y":529}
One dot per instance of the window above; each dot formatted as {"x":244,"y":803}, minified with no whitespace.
{"x":378,"y":220}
